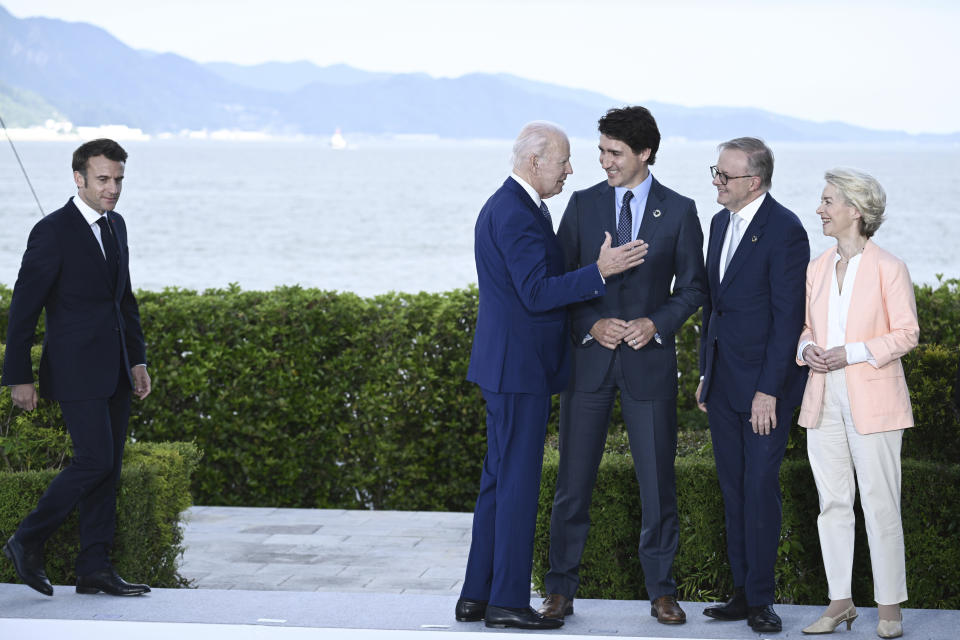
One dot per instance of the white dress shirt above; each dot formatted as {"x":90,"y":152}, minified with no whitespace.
{"x":91,"y":217}
{"x":837,"y":313}
{"x":746,"y":214}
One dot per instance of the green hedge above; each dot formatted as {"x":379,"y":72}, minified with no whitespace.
{"x":154,"y":489}
{"x":610,"y":568}
{"x":307,"y":398}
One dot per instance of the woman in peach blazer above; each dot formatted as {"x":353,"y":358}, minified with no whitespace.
{"x":861,"y":318}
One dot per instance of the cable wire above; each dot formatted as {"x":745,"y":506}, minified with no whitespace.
{"x":22,"y":168}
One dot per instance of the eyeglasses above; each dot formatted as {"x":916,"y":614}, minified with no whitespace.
{"x":724,"y":177}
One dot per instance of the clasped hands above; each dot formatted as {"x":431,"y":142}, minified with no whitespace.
{"x":610,"y":332}
{"x":825,"y":360}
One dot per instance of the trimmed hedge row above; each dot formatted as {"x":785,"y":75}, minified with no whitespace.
{"x":154,"y":489}
{"x":307,"y":398}
{"x":610,"y":568}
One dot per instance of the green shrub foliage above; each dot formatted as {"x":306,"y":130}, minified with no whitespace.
{"x":610,"y":568}
{"x":307,"y":398}
{"x":154,"y":489}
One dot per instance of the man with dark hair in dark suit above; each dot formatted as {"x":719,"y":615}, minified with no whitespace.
{"x":624,"y":341}
{"x":76,"y":269}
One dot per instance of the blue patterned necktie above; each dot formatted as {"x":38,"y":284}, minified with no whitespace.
{"x":625,"y":225}
{"x":546,"y":212}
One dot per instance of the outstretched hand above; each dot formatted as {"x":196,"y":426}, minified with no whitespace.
{"x":614,"y":260}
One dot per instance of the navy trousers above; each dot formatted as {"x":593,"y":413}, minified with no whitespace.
{"x":652,"y":428}
{"x":98,"y":429}
{"x":748,"y":468}
{"x":505,"y":517}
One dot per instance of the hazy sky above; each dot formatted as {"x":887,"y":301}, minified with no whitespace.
{"x":884,"y":64}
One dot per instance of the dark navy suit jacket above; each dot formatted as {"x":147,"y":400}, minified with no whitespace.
{"x":521,"y":344}
{"x":753,"y":318}
{"x":672,"y":229}
{"x":92,"y":325}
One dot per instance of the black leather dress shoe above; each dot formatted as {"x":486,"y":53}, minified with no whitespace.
{"x":734,"y":609}
{"x":110,"y":583}
{"x":764,"y":619}
{"x":470,"y":610}
{"x":503,"y":617}
{"x":28,"y":563}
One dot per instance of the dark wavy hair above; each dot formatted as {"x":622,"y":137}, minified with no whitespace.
{"x":634,"y":126}
{"x":99,"y":147}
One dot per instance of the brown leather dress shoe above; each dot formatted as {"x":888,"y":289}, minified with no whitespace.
{"x":556,"y":606}
{"x":667,"y":611}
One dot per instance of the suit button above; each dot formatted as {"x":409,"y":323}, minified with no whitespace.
{"x":719,"y":313}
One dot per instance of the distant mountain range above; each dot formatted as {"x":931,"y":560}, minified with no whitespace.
{"x":81,"y":73}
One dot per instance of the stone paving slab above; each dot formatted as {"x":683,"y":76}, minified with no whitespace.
{"x":336,"y":550}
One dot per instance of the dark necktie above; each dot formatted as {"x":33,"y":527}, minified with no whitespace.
{"x":546,"y":212}
{"x":109,"y":249}
{"x":625,"y":225}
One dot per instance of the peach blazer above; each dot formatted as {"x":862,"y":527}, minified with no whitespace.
{"x":883,"y":314}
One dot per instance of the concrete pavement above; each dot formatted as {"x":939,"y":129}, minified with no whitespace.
{"x":354,"y":575}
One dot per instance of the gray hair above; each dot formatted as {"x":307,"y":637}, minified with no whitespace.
{"x":862,"y":192}
{"x":534,"y":139}
{"x":759,"y":158}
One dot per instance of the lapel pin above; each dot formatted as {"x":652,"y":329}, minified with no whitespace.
{"x":753,"y":239}
{"x":656,"y":213}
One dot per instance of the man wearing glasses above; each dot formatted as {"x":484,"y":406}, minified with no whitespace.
{"x":750,"y":383}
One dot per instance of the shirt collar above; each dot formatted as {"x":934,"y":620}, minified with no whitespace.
{"x":751,"y":209}
{"x":640,"y":192}
{"x":86,"y":210}
{"x":526,"y":187}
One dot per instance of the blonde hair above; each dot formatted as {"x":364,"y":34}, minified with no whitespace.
{"x":862,"y":192}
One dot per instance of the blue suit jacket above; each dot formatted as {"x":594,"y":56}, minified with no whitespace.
{"x":672,"y":229}
{"x":92,"y":325}
{"x":753,"y":318}
{"x":521,"y":343}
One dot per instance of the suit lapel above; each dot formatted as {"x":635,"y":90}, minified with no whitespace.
{"x":820,"y":299}
{"x":87,"y":241}
{"x":752,"y":239}
{"x":605,"y":213}
{"x":715,"y":249}
{"x":652,"y":214}
{"x":865,"y":280}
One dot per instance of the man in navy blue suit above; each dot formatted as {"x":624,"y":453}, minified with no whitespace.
{"x":756,"y":268}
{"x":623,"y":342}
{"x":76,"y":269}
{"x":520,"y":357}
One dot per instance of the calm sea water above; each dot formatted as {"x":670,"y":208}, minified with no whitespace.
{"x":398,"y":216}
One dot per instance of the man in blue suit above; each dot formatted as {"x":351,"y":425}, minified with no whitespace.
{"x":756,"y":268}
{"x":520,"y":357}
{"x":76,"y":269}
{"x":624,"y":342}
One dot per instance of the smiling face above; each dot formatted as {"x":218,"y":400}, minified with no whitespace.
{"x":740,"y":191}
{"x":100,"y":183}
{"x":839,"y":219}
{"x":552,"y":168}
{"x":624,"y":167}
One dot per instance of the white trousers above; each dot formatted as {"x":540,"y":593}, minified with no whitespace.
{"x":836,"y":451}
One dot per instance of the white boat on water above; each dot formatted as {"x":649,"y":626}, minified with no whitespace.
{"x":337,"y":141}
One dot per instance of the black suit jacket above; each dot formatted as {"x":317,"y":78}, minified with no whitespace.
{"x":92,"y":324}
{"x":671,"y":227}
